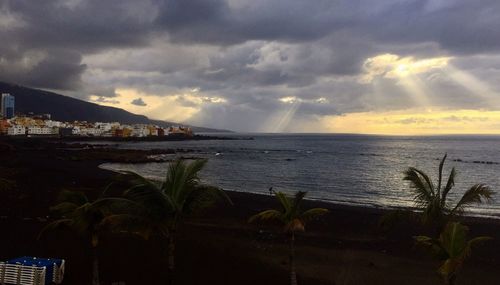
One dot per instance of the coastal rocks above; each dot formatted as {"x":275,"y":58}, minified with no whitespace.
{"x":473,"y":161}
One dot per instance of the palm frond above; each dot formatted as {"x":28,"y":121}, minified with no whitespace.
{"x":75,"y":197}
{"x":133,"y":178}
{"x":204,"y":196}
{"x":440,"y":177}
{"x":86,"y":219}
{"x":312,"y":214}
{"x":268,"y":215}
{"x":422,"y":190}
{"x":194,"y":168}
{"x":427,"y":180}
{"x":175,"y":181}
{"x":55,"y":225}
{"x":453,"y":238}
{"x":448,"y":187}
{"x":477,"y":194}
{"x":433,"y":246}
{"x":452,"y":247}
{"x":284,"y":201}
{"x":115,"y":205}
{"x":296,"y":202}
{"x":475,"y":242}
{"x":106,"y":190}
{"x":133,"y":224}
{"x":450,"y":267}
{"x":64,"y":208}
{"x":149,"y":197}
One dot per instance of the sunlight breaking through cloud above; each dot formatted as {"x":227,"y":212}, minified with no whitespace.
{"x":473,"y":84}
{"x":393,"y":66}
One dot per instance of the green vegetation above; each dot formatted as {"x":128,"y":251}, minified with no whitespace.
{"x":164,"y":205}
{"x":82,"y":216}
{"x":293,"y":219}
{"x":452,"y":248}
{"x":432,"y":199}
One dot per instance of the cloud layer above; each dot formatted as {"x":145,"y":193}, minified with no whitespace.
{"x":234,"y":63}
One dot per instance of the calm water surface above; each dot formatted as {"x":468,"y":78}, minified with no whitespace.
{"x":348,"y":169}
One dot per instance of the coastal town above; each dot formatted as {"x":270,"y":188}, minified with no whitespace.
{"x":30,"y":125}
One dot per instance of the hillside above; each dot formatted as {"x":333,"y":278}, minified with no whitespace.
{"x":64,"y":108}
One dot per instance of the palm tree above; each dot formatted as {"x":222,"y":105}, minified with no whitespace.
{"x":452,"y":248}
{"x":82,"y":216}
{"x":293,"y":219}
{"x":432,"y":200}
{"x":166,"y":204}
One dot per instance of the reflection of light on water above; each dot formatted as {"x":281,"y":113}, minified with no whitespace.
{"x":389,"y":200}
{"x":361,"y":172}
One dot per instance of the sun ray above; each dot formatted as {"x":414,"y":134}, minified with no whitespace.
{"x":473,"y":84}
{"x":417,"y":89}
{"x":285,"y":119}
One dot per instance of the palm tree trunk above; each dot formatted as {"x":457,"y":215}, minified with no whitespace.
{"x":171,"y":252}
{"x":293,"y":274}
{"x":451,"y":280}
{"x":95,"y":266}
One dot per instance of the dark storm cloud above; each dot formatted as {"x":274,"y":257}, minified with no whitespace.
{"x":82,"y":25}
{"x":353,"y":27}
{"x":54,"y":67}
{"x":465,"y":26}
{"x":215,"y":21}
{"x":60,"y":32}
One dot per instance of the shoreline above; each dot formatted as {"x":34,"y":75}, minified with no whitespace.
{"x":386,"y":208}
{"x":119,"y":139}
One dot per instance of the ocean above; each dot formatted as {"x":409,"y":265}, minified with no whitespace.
{"x":361,"y":170}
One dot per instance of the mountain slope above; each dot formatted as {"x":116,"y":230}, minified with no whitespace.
{"x":63,"y":108}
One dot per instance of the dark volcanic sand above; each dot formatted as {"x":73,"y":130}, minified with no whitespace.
{"x":219,"y":247}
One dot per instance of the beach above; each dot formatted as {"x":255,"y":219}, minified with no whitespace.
{"x":218,"y":246}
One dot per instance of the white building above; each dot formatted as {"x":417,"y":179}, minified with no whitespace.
{"x":86,"y":131}
{"x":54,"y":124}
{"x":37,"y":130}
{"x":16,"y":130}
{"x":140,"y":131}
{"x":106,"y":127}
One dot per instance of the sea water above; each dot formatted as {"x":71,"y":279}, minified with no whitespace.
{"x":347,"y":169}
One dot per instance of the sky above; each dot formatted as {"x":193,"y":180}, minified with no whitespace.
{"x":353,"y":66}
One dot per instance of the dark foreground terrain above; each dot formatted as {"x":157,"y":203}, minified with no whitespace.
{"x":219,"y":247}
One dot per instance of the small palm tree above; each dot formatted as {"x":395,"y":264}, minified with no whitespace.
{"x":166,"y":204}
{"x":433,"y":199}
{"x":452,"y":248}
{"x":294,"y":220}
{"x":82,"y":216}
